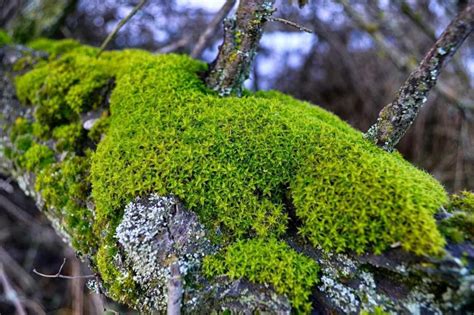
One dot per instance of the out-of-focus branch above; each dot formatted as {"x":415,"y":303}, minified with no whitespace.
{"x":10,"y":294}
{"x":395,"y":118}
{"x":402,"y":62}
{"x":241,"y":37}
{"x":175,"y":290}
{"x":211,"y":29}
{"x":119,"y":25}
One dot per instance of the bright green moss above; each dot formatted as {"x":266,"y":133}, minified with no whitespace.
{"x":57,"y":47}
{"x":268,"y":261}
{"x":463,"y":201}
{"x":4,"y":38}
{"x":240,"y":163}
{"x":68,"y":137}
{"x":37,"y":157}
{"x":460,"y":226}
{"x":65,"y":188}
{"x":236,"y":160}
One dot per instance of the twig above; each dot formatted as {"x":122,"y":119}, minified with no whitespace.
{"x":402,"y":62}
{"x":290,"y":23}
{"x":119,"y":25}
{"x":182,"y":42}
{"x":241,"y":37}
{"x":175,"y":290}
{"x":59,"y":275}
{"x":395,"y":118}
{"x":211,"y":29}
{"x":10,"y":293}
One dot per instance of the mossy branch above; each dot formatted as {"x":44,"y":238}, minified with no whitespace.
{"x":241,"y":37}
{"x":395,"y":118}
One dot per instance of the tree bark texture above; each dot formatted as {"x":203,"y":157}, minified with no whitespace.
{"x":395,"y":118}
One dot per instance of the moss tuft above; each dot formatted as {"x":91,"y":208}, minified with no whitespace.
{"x":460,"y":226}
{"x":37,"y":157}
{"x":4,"y":38}
{"x":268,"y":261}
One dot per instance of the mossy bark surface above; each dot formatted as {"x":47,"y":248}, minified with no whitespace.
{"x":141,"y":168}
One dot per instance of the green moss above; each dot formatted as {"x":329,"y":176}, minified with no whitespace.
{"x":37,"y":157}
{"x":4,"y":38}
{"x":240,"y":163}
{"x":268,"y":261}
{"x":68,"y":137}
{"x":65,"y":188}
{"x":460,"y":226}
{"x":56,"y":47}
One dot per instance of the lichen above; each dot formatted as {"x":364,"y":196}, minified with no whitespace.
{"x":246,"y":166}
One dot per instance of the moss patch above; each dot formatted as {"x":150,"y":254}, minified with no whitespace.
{"x":4,"y":38}
{"x":268,"y":261}
{"x":242,"y":164}
{"x":460,"y":226}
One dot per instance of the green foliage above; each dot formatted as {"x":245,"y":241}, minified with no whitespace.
{"x":57,"y":47}
{"x":460,"y":226}
{"x":268,"y":261}
{"x":36,"y":157}
{"x":4,"y":38}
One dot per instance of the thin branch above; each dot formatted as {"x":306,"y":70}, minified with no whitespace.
{"x":211,"y":29}
{"x":59,"y":275}
{"x":120,"y":25}
{"x":241,"y":37}
{"x":10,"y":293}
{"x":182,"y":42}
{"x":401,"y":61}
{"x":290,"y":23}
{"x":175,"y":290}
{"x":395,"y":118}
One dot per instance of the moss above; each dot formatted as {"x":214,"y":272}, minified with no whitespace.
{"x":68,"y":137}
{"x":65,"y":188}
{"x":37,"y":157}
{"x":240,"y":163}
{"x":56,"y":47}
{"x":268,"y":261}
{"x":460,"y":226}
{"x":4,"y":38}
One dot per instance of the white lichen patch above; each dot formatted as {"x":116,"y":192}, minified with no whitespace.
{"x":155,"y":232}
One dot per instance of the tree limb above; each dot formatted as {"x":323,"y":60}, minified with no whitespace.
{"x":395,"y":118}
{"x":241,"y":36}
{"x":206,"y":37}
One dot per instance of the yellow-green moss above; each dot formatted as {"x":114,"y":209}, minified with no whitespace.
{"x":37,"y":157}
{"x":460,"y":226}
{"x":268,"y":261}
{"x":4,"y":38}
{"x":240,"y":163}
{"x":68,"y":137}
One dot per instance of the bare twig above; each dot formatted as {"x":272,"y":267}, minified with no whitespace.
{"x":119,"y":25}
{"x":175,"y":290}
{"x":10,"y":293}
{"x":290,"y":23}
{"x":399,"y":59}
{"x":211,"y":29}
{"x":182,"y":42}
{"x":241,"y":37}
{"x":395,"y":118}
{"x":59,"y":275}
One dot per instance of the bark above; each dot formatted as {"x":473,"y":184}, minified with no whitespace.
{"x":155,"y":228}
{"x":395,"y":118}
{"x":241,"y":36}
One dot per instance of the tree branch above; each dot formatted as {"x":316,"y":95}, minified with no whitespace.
{"x":241,"y":36}
{"x":206,"y":37}
{"x":395,"y":118}
{"x":120,"y":25}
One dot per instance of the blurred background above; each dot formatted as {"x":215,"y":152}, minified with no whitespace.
{"x":353,"y":63}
